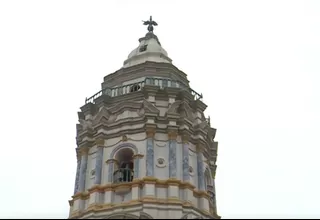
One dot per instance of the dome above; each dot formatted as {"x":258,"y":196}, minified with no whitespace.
{"x":149,"y":49}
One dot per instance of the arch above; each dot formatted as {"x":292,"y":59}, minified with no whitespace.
{"x":144,"y":215}
{"x":121,"y":216}
{"x":122,"y":146}
{"x":187,"y":216}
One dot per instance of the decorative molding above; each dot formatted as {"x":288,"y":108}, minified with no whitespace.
{"x":84,"y":151}
{"x":150,"y":132}
{"x":124,"y":138}
{"x":185,"y":138}
{"x":122,"y":146}
{"x":172,"y":135}
{"x":158,"y":145}
{"x":144,"y":200}
{"x":99,"y":142}
{"x":112,"y":160}
{"x":161,"y":163}
{"x":191,"y":171}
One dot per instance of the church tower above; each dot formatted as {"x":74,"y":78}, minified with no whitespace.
{"x":144,"y":147}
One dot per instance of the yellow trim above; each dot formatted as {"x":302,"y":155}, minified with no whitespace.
{"x":172,"y":135}
{"x":140,"y":183}
{"x":137,"y":156}
{"x":111,"y":206}
{"x":150,"y":132}
{"x":84,"y":151}
{"x":185,"y":138}
{"x":99,"y":142}
{"x":112,"y":160}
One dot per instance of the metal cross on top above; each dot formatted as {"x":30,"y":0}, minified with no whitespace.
{"x":150,"y":24}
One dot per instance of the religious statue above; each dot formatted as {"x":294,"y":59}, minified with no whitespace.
{"x":150,"y":24}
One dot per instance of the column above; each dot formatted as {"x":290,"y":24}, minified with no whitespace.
{"x":200,"y":170}
{"x":172,"y":154}
{"x":83,"y":168}
{"x":135,"y":187}
{"x":150,"y":153}
{"x":111,"y":164}
{"x":185,"y":156}
{"x":76,"y":184}
{"x":98,"y":167}
{"x":136,"y":165}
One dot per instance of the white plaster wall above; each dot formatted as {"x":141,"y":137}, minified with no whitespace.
{"x":161,"y":151}
{"x":162,"y":110}
{"x":161,"y":193}
{"x":161,"y":103}
{"x":127,"y":114}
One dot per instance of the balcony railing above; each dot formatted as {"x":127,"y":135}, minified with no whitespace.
{"x":123,"y":175}
{"x":133,"y":87}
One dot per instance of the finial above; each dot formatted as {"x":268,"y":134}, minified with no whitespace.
{"x":150,"y":24}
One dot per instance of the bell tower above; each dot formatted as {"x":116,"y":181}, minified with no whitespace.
{"x":144,"y":147}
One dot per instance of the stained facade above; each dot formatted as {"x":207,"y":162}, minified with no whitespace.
{"x":144,"y":147}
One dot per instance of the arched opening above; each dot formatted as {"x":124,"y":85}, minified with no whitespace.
{"x":124,"y":170}
{"x":135,"y":88}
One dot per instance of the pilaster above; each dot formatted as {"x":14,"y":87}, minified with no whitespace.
{"x":200,"y":170}
{"x":172,"y":154}
{"x":185,"y":155}
{"x":111,"y":165}
{"x":150,"y":152}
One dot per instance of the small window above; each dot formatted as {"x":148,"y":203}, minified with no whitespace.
{"x":134,"y":88}
{"x":143,"y":48}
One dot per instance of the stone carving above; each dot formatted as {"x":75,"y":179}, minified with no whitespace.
{"x":184,"y":106}
{"x":141,"y":112}
{"x":98,"y":167}
{"x":161,"y":162}
{"x":172,"y":159}
{"x":190,"y":170}
{"x":158,"y":145}
{"x":185,"y":162}
{"x":203,"y":125}
{"x":76,"y":185}
{"x":150,"y":157}
{"x":85,"y":124}
{"x":173,"y":109}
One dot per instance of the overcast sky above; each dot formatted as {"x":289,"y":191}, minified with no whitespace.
{"x":256,"y":63}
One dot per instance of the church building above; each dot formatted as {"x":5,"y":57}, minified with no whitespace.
{"x":145,"y":149}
